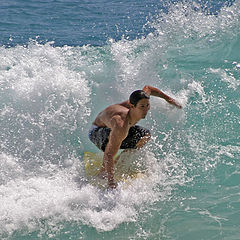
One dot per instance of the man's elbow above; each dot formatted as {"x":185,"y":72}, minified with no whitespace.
{"x":147,"y":89}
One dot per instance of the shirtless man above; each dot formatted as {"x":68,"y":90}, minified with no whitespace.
{"x":114,"y":128}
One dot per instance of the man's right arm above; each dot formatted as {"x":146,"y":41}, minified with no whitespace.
{"x":108,"y":161}
{"x":117,"y":135}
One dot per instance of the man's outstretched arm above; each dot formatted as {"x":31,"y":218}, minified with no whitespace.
{"x":158,"y":93}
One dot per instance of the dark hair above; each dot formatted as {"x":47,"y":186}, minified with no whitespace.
{"x":137,"y":95}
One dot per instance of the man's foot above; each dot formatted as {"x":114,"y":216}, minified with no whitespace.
{"x":112,"y":185}
{"x":102,"y":175}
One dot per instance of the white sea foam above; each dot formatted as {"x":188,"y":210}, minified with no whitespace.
{"x":64,"y":196}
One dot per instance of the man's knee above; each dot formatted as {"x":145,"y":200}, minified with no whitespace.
{"x":144,"y":140}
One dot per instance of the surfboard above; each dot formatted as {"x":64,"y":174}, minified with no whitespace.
{"x":122,"y":175}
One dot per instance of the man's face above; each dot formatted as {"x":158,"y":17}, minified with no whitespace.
{"x":142,"y":107}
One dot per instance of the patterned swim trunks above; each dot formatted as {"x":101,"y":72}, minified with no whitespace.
{"x":99,"y":136}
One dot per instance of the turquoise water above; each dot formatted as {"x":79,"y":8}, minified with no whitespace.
{"x":50,"y":92}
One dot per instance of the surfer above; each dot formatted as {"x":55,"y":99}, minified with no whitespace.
{"x":115,"y":127}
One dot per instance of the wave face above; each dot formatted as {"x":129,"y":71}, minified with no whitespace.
{"x":49,"y":95}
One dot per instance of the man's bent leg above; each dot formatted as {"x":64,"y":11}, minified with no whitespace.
{"x":137,"y":137}
{"x":143,"y":141}
{"x":139,"y":145}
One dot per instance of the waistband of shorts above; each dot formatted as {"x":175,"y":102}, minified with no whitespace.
{"x":92,"y":128}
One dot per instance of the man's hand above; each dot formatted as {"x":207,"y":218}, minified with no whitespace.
{"x":112,"y":185}
{"x":158,"y":93}
{"x":175,"y":103}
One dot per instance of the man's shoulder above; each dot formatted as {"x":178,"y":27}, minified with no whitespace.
{"x":112,"y":115}
{"x":121,"y":106}
{"x":125,"y":104}
{"x":119,"y":125}
{"x":118,"y":116}
{"x":117,"y":109}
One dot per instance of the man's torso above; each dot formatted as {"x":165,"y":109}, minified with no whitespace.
{"x":116,"y":111}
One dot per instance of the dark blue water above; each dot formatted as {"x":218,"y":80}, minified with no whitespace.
{"x":61,"y":62}
{"x":78,"y":23}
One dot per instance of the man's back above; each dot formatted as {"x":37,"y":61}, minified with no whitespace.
{"x":104,"y":118}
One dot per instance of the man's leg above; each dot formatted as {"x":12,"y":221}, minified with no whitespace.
{"x":143,"y":141}
{"x":136,"y":139}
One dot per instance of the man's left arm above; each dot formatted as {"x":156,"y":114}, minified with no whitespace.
{"x":158,"y":93}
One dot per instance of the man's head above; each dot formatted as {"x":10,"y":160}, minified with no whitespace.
{"x":139,"y":101}
{"x":136,"y":96}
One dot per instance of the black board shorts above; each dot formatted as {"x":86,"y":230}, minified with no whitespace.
{"x":99,"y":136}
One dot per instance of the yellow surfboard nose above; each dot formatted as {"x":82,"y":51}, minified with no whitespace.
{"x":93,"y":164}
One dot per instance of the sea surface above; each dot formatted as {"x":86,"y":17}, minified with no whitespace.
{"x":61,"y":62}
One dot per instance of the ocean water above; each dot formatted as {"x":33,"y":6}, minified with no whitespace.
{"x":61,"y":62}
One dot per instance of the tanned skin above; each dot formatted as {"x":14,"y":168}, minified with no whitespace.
{"x":119,"y":118}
